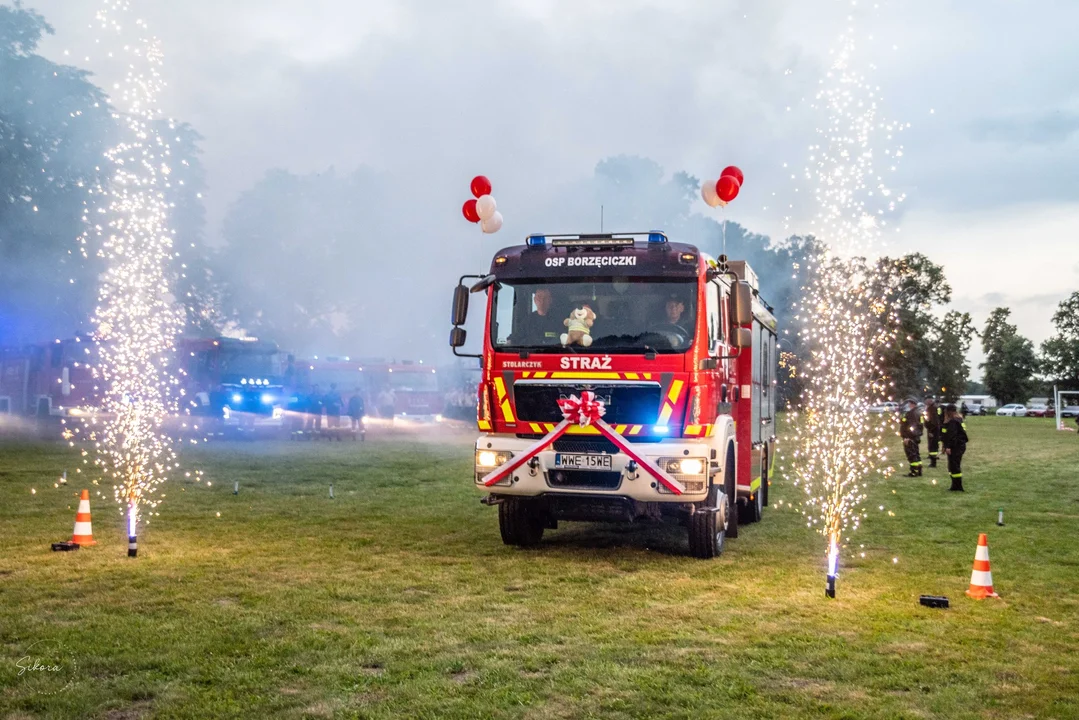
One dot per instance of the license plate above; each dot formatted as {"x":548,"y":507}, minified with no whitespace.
{"x":576,"y":461}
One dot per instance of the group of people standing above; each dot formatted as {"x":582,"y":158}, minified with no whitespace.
{"x":314,"y":404}
{"x":944,"y":427}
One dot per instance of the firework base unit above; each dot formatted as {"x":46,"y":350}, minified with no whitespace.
{"x":679,"y":349}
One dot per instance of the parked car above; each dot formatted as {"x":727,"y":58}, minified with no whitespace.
{"x":1069,"y":411}
{"x":1038,"y":410}
{"x":972,"y":408}
{"x":1012,"y":410}
{"x":885,"y":407}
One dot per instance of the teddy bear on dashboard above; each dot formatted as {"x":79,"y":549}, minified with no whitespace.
{"x":579,"y":326}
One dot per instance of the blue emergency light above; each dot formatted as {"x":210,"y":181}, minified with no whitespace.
{"x":655,"y":236}
{"x":534,"y":240}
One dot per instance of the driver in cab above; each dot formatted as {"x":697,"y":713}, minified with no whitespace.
{"x":675,"y":310}
{"x":674,"y":321}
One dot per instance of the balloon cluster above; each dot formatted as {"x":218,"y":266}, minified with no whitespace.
{"x":483,"y":209}
{"x":725,"y":189}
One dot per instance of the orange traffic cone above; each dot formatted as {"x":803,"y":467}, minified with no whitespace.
{"x":981,"y":579}
{"x":83,"y":534}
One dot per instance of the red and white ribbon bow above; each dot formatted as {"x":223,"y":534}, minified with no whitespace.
{"x":584,"y":410}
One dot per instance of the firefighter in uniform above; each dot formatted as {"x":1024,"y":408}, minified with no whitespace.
{"x":934,"y":421}
{"x":910,"y":429}
{"x":954,"y":438}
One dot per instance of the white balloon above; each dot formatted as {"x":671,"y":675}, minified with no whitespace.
{"x":708,"y":194}
{"x":486,"y":206}
{"x":492,"y":224}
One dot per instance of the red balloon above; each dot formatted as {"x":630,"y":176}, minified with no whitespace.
{"x":469,"y":211}
{"x":735,"y":172}
{"x":481,"y":186}
{"x":727,"y":188}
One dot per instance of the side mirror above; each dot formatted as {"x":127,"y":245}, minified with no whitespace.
{"x":457,"y":337}
{"x":741,"y":304}
{"x":460,"y":306}
{"x":742,"y":338}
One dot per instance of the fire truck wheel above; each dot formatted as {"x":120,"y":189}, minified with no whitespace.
{"x":708,"y":530}
{"x":750,"y":510}
{"x":730,"y":485}
{"x":520,"y":522}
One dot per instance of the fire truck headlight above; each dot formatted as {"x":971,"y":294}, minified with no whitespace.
{"x":491,"y":459}
{"x":691,"y":466}
{"x":438,"y":418}
{"x":237,"y":398}
{"x":267,"y":398}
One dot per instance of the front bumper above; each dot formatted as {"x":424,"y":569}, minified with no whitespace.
{"x":542,"y":477}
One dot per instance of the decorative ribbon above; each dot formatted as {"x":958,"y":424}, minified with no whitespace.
{"x":584,"y":411}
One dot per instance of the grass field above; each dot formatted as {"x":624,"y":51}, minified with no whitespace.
{"x":398,"y":600}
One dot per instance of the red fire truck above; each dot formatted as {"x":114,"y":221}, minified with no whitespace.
{"x":234,"y":384}
{"x":676,"y":349}
{"x":394,"y":391}
{"x":48,"y":379}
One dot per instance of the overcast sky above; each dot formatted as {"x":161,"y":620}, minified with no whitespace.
{"x":535,"y":92}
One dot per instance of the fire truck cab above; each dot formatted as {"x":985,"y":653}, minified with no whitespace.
{"x":49,"y":379}
{"x":677,"y":346}
{"x":234,"y":385}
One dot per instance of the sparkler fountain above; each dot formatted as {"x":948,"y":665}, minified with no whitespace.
{"x":845,"y":322}
{"x":137,"y":318}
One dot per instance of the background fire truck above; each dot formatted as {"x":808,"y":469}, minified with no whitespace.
{"x":393,"y":391}
{"x":680,"y":350}
{"x":48,"y":380}
{"x":239,"y":385}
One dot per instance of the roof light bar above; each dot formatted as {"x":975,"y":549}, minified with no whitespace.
{"x":597,"y":240}
{"x":591,"y":241}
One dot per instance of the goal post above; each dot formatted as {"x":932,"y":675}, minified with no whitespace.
{"x":1058,"y":403}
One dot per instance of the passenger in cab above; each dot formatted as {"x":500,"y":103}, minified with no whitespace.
{"x":540,"y":326}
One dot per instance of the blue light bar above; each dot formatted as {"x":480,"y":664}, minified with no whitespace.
{"x":656,"y":236}
{"x":534,"y":240}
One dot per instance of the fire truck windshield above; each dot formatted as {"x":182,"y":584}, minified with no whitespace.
{"x":622,"y":315}
{"x":248,"y":363}
{"x":415,"y":381}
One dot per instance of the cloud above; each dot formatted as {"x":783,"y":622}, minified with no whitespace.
{"x":535,"y":92}
{"x":1050,"y":128}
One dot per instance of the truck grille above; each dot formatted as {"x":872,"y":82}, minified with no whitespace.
{"x":626,"y":404}
{"x":590,"y":479}
{"x":593,"y":446}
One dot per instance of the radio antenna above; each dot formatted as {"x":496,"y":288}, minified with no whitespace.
{"x":601,"y":218}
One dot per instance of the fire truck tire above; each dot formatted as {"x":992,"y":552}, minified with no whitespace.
{"x":520,"y":522}
{"x":750,"y":510}
{"x":730,"y":484}
{"x":708,"y":530}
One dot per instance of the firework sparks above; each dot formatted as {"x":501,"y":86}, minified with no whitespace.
{"x":838,"y":444}
{"x":137,"y":318}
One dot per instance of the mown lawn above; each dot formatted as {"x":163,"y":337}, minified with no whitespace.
{"x":398,"y":600}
